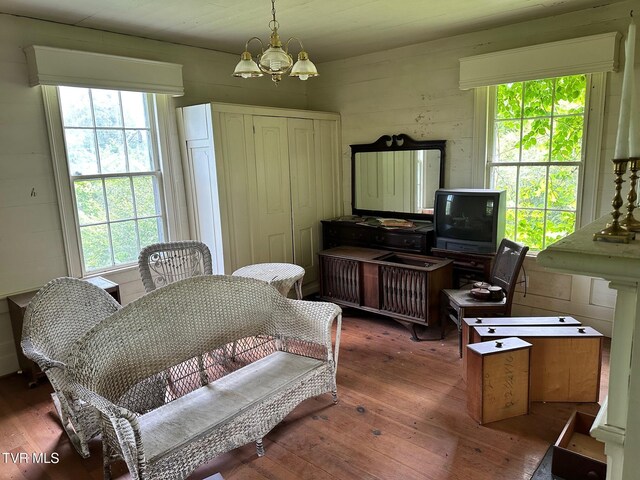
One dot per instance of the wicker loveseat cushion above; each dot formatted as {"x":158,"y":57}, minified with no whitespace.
{"x":169,"y":427}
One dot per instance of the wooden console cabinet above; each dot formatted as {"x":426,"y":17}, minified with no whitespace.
{"x":403,"y":286}
{"x":17,"y":307}
{"x":467,"y":267}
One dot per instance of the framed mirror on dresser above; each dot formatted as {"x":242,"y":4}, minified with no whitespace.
{"x":396,"y":176}
{"x":393,"y":185}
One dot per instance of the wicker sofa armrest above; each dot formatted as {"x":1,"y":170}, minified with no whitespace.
{"x":124,"y":423}
{"x":311,"y":322}
{"x":103,"y":405}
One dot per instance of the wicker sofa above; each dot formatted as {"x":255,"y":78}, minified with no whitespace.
{"x":214,"y":398}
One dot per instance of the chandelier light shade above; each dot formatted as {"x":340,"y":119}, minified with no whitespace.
{"x":275,"y":60}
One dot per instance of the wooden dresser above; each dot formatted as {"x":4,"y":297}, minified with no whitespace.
{"x":417,"y":239}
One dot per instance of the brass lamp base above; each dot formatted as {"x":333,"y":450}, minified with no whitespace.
{"x":614,"y":233}
{"x":630,"y":223}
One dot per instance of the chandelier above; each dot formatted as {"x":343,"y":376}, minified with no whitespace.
{"x":275,"y":61}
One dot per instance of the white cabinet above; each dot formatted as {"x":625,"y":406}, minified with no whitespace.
{"x":259,"y":182}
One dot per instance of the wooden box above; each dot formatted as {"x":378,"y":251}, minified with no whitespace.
{"x":565,"y":361}
{"x":469,"y":322}
{"x":576,"y":454}
{"x":498,"y":383}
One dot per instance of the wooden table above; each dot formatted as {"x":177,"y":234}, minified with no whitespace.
{"x":18,"y":305}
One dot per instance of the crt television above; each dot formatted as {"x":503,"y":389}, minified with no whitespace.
{"x":469,"y":220}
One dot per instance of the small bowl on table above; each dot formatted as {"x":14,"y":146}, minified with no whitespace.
{"x":480,"y":293}
{"x":495,"y":293}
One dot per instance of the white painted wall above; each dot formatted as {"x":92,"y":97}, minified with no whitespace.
{"x":411,"y":90}
{"x":31,"y":248}
{"x":414,"y":90}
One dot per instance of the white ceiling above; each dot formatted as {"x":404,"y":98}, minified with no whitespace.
{"x":330,"y":29}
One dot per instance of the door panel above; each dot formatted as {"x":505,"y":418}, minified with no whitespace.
{"x":237,"y":179}
{"x":306,"y":225}
{"x":274,"y":193}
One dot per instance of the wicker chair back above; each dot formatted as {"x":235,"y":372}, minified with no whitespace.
{"x":167,"y":262}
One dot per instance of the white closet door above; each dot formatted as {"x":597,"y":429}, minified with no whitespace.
{"x":233,"y":138}
{"x":304,"y":201}
{"x":273,"y":239}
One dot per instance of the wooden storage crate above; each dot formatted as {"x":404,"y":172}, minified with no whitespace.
{"x":498,"y":385}
{"x":469,"y":322}
{"x":576,"y":454}
{"x":565,"y":361}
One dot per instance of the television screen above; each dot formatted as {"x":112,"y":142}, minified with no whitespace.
{"x":466,"y":217}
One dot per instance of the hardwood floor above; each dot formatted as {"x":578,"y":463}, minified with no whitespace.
{"x":401,"y":415}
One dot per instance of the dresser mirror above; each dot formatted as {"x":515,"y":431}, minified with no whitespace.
{"x":396,"y":177}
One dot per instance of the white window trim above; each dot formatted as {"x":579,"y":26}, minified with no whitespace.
{"x":588,"y":199}
{"x":171,"y":177}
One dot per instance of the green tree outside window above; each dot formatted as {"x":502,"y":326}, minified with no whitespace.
{"x":537,"y":156}
{"x":114,"y":174}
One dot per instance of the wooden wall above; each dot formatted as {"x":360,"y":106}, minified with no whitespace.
{"x":411,"y":90}
{"x":31,"y":245}
{"x":414,"y":90}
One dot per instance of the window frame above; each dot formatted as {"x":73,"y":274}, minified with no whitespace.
{"x":168,"y":166}
{"x":588,"y":195}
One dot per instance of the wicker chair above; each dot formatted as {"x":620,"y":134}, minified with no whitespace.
{"x":163,"y":263}
{"x":61,"y":312}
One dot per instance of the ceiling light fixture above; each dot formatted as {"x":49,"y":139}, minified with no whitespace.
{"x":275,"y":61}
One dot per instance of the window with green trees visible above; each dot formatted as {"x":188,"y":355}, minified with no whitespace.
{"x":114,"y":172}
{"x":536,"y":154}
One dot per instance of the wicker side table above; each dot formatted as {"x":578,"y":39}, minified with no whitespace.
{"x":282,"y":276}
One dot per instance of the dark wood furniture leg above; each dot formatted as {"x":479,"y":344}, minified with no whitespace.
{"x":446,"y":315}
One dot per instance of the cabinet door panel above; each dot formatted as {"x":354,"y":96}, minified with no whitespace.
{"x":306,"y":225}
{"x":236,"y":179}
{"x":278,"y":247}
{"x":206,"y":202}
{"x":274,"y":194}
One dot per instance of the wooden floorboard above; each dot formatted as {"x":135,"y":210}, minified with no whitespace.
{"x":401,"y":415}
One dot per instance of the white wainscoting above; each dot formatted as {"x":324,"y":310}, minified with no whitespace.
{"x":587,"y":299}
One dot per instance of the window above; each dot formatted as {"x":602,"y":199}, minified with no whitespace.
{"x":114,"y":171}
{"x":536,"y":137}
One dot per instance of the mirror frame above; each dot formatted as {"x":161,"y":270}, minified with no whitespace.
{"x":394,"y":143}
